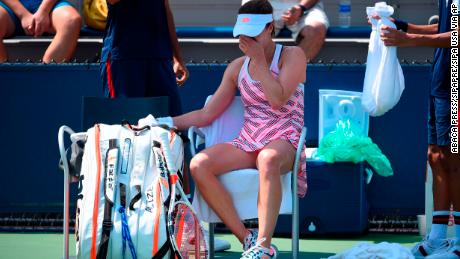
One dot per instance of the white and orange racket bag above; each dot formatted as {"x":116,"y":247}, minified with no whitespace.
{"x":123,"y":193}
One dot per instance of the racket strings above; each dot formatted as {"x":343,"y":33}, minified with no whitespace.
{"x":192,"y":243}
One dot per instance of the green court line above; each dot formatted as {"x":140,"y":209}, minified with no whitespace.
{"x":49,"y":245}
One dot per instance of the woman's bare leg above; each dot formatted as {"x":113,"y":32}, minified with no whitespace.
{"x":212,"y":162}
{"x":274,"y":160}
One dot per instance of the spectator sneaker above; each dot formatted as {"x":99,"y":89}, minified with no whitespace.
{"x":452,"y":253}
{"x":428,"y":247}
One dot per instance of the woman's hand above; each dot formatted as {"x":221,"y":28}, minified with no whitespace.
{"x":251,"y":48}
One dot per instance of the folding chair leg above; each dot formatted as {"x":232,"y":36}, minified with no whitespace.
{"x":295,"y":198}
{"x":66,"y":216}
{"x":295,"y":227}
{"x":64,"y":129}
{"x":211,"y":240}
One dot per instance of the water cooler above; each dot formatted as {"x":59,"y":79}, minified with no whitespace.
{"x":336,"y":200}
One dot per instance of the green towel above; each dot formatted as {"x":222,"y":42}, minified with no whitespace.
{"x":347,"y":144}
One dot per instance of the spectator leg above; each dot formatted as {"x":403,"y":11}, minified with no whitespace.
{"x":453,"y":164}
{"x":66,"y":23}
{"x":311,"y":39}
{"x":438,"y":163}
{"x":6,"y":29}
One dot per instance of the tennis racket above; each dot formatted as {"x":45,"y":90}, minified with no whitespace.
{"x":186,"y":233}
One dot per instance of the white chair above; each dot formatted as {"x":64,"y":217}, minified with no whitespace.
{"x":226,"y":128}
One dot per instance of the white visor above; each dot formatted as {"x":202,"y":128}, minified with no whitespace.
{"x":251,"y":24}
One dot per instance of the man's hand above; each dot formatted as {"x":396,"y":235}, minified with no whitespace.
{"x":42,"y":22}
{"x":181,"y":72}
{"x":393,"y":37}
{"x":28,"y":24}
{"x":292,"y":15}
{"x":251,"y":48}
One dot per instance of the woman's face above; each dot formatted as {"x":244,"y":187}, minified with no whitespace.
{"x":265,"y":36}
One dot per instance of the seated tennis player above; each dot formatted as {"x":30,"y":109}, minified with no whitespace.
{"x":268,"y":78}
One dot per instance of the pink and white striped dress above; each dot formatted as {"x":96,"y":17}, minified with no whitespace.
{"x":262,"y":124}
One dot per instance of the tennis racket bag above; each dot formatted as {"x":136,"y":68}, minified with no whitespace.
{"x":123,"y":192}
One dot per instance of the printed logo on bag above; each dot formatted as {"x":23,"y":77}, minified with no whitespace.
{"x":125,"y":155}
{"x":110,"y":177}
{"x":150,"y":199}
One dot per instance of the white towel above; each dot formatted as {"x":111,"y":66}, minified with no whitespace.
{"x":382,"y":250}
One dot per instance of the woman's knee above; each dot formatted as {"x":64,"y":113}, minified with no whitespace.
{"x":269,"y":163}
{"x":200,"y":167}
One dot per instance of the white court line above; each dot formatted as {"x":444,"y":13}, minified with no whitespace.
{"x":47,"y":40}
{"x":185,"y":40}
{"x":228,"y":40}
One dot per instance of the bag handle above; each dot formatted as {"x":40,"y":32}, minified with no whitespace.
{"x":125,"y":123}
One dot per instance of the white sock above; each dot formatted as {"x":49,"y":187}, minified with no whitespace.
{"x":439,"y":225}
{"x":457,"y":223}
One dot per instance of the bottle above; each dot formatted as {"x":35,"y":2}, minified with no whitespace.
{"x":345,"y":13}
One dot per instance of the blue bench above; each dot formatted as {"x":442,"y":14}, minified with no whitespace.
{"x":227,"y":32}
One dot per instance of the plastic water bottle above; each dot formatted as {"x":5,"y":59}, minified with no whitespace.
{"x":345,"y":13}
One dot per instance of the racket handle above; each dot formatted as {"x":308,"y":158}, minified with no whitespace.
{"x":164,"y":140}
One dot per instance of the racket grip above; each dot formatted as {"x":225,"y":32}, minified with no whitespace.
{"x":164,"y":140}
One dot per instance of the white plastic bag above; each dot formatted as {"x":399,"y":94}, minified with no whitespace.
{"x":384,"y":79}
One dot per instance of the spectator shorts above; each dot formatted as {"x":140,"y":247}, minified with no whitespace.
{"x":32,"y":7}
{"x":439,"y":124}
{"x":141,"y":78}
{"x":314,"y":14}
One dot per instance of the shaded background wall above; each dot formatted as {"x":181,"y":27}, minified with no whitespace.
{"x":37,"y":99}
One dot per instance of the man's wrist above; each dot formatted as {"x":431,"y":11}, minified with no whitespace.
{"x":303,"y":8}
{"x":411,"y":40}
{"x":178,"y":59}
{"x":401,"y":25}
